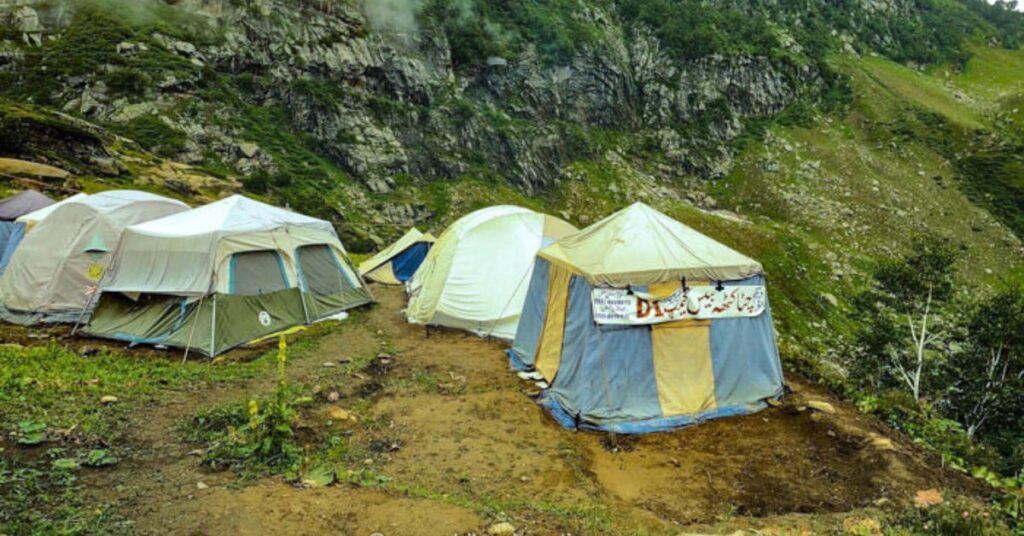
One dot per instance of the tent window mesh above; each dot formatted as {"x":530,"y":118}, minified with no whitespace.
{"x":321,"y":272}
{"x":255,"y":273}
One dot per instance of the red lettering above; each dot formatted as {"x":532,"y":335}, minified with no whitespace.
{"x":643,"y":308}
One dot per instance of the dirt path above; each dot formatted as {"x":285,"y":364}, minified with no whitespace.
{"x":469,"y":447}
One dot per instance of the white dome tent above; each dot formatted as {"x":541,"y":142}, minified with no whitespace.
{"x":476,"y":275}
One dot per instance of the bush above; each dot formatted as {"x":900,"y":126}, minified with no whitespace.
{"x":128,"y":82}
{"x":154,"y":135}
{"x":258,"y":438}
{"x":953,"y":518}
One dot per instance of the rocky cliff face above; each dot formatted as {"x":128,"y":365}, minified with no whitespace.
{"x":352,"y":118}
{"x":379,"y":104}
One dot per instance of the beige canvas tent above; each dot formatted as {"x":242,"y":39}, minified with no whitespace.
{"x":397,"y":263}
{"x":54,"y":271}
{"x":222,"y":275}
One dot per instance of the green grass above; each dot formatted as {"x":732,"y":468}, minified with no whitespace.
{"x":40,"y":499}
{"x":56,"y":386}
{"x":992,"y":73}
{"x":920,"y":89}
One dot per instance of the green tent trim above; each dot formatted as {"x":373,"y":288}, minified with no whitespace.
{"x":215,"y":323}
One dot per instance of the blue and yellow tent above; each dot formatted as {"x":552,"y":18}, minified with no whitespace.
{"x":641,"y":324}
{"x":397,"y":263}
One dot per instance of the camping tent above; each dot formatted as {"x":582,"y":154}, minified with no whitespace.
{"x":22,"y":203}
{"x":476,"y":274}
{"x":12,"y":208}
{"x":397,"y":263}
{"x":222,"y":275}
{"x":57,"y":266}
{"x":640,"y":323}
{"x":16,"y":230}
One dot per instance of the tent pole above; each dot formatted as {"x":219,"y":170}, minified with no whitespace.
{"x":213,"y":327}
{"x":305,"y":311}
{"x":81,"y":315}
{"x":188,"y":345}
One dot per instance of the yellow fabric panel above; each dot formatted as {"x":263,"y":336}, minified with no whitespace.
{"x":549,"y":350}
{"x":384,"y":275}
{"x":682,"y":366}
{"x":663,"y":290}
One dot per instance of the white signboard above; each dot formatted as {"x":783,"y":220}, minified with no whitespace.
{"x":620,"y":306}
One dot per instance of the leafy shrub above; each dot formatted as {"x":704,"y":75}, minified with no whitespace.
{"x":257,"y":439}
{"x":128,"y":82}
{"x":952,"y":518}
{"x":154,"y":135}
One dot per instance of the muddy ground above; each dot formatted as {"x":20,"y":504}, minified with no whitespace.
{"x":463,"y":446}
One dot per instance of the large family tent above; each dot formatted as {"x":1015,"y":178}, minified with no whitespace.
{"x":222,"y":275}
{"x":475,"y":276}
{"x":640,"y":324}
{"x":11,"y":231}
{"x":55,"y":269}
{"x":397,"y":263}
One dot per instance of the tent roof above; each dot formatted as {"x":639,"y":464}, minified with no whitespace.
{"x":410,"y":238}
{"x":11,"y":166}
{"x":39,"y":215}
{"x":232,"y":215}
{"x":23,"y":203}
{"x":641,"y":246}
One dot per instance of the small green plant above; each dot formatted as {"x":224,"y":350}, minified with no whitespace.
{"x":99,"y":458}
{"x":31,"y":432}
{"x":1010,"y":494}
{"x":266,"y":440}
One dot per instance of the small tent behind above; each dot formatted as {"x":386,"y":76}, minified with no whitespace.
{"x":475,"y":276}
{"x":23,"y":203}
{"x":222,"y":275}
{"x":54,"y":271}
{"x":397,"y":263}
{"x":641,"y":324}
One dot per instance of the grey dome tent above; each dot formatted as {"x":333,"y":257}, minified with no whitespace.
{"x":23,"y":203}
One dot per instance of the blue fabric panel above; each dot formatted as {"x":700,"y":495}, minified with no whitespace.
{"x":569,"y":419}
{"x":606,"y":373}
{"x":404,"y":264}
{"x":531,"y":321}
{"x":11,"y":234}
{"x":744,"y":357}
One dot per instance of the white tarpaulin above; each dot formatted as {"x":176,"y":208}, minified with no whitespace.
{"x":624,"y":307}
